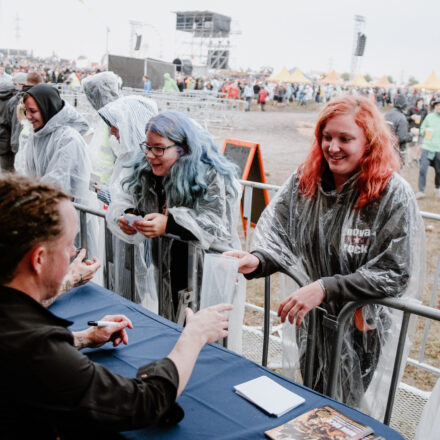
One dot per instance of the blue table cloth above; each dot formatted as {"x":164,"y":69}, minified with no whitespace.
{"x":212,"y":408}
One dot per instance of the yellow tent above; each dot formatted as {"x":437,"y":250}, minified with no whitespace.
{"x":430,"y":83}
{"x":283,"y":76}
{"x":332,"y":78}
{"x":383,"y":83}
{"x":298,"y":77}
{"x":359,"y":81}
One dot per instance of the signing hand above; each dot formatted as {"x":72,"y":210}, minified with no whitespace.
{"x":125,"y":227}
{"x":95,"y":337}
{"x":153,"y":225}
{"x":299,"y":303}
{"x":247,"y":262}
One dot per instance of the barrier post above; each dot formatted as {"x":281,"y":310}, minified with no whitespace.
{"x":266,"y":320}
{"x":83,"y":230}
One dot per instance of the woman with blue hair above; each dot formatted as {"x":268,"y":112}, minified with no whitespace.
{"x":181,"y":186}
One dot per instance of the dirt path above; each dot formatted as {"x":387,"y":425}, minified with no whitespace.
{"x":284,"y":138}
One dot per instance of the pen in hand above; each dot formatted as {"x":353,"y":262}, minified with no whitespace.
{"x":102,"y":323}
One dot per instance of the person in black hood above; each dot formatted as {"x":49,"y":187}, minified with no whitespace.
{"x":7,"y":91}
{"x":399,"y":125}
{"x":49,"y":102}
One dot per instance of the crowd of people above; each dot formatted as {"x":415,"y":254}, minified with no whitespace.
{"x":345,"y":223}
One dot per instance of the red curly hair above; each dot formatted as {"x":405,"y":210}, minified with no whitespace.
{"x":381,"y":157}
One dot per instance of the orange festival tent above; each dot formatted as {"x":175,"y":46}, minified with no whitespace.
{"x":283,"y":76}
{"x":332,"y":78}
{"x":298,"y":77}
{"x":383,"y":83}
{"x":359,"y":81}
{"x":430,"y":83}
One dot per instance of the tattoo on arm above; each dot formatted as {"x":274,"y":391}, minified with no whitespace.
{"x":79,"y":341}
{"x":66,"y":285}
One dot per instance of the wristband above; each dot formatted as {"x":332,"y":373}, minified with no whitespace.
{"x":321,"y":283}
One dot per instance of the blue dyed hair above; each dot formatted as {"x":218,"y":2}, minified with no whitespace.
{"x":185,"y":184}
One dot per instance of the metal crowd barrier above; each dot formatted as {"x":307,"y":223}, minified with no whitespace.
{"x":208,"y":109}
{"x":342,"y":319}
{"x":192,"y":278}
{"x":346,"y":314}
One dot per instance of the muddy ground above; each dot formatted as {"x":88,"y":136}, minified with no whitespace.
{"x":284,"y":134}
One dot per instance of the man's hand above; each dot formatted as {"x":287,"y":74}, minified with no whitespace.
{"x":95,"y":337}
{"x":82,"y":271}
{"x":208,"y":325}
{"x":299,"y":303}
{"x":78,"y":273}
{"x":247,"y":262}
{"x":153,"y":225}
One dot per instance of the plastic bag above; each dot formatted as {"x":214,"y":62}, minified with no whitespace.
{"x":428,"y":428}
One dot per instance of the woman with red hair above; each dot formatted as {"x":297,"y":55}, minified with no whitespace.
{"x":346,"y":225}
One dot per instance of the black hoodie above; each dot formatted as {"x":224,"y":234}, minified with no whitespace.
{"x":7,"y":90}
{"x":48,"y":100}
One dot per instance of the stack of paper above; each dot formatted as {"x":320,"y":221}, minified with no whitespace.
{"x":269,"y":396}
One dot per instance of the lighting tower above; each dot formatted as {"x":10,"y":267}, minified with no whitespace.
{"x":359,"y":40}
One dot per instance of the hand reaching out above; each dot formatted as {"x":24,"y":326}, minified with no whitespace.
{"x":299,"y":303}
{"x":247,"y":262}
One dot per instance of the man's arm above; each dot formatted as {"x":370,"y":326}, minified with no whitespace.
{"x":204,"y":327}
{"x":80,"y":272}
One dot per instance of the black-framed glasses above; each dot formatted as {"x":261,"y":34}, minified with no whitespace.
{"x":157,"y":151}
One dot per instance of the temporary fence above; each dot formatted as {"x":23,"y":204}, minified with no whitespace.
{"x":208,"y":109}
{"x":262,"y":343}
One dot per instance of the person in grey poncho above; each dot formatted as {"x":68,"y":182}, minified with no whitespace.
{"x":100,"y":90}
{"x":127,"y":119}
{"x":183,"y":186}
{"x":346,"y":225}
{"x":56,"y":151}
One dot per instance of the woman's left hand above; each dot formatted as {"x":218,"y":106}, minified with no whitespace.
{"x":152,"y":225}
{"x":299,"y":303}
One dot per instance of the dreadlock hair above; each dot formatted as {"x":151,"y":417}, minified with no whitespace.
{"x":29,"y":215}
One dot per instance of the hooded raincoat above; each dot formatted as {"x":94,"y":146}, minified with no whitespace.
{"x":169,"y":85}
{"x":57,"y":153}
{"x":130,"y":116}
{"x":101,"y":89}
{"x":211,"y":223}
{"x":373,"y":252}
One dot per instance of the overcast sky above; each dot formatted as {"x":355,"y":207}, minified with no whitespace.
{"x":402,"y":36}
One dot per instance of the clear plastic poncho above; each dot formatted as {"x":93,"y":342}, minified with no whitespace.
{"x":102,"y":89}
{"x":213,"y":223}
{"x":359,"y":254}
{"x":57,"y":153}
{"x":130,"y":116}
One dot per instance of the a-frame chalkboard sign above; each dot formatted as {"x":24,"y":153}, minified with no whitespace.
{"x":247,"y":156}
